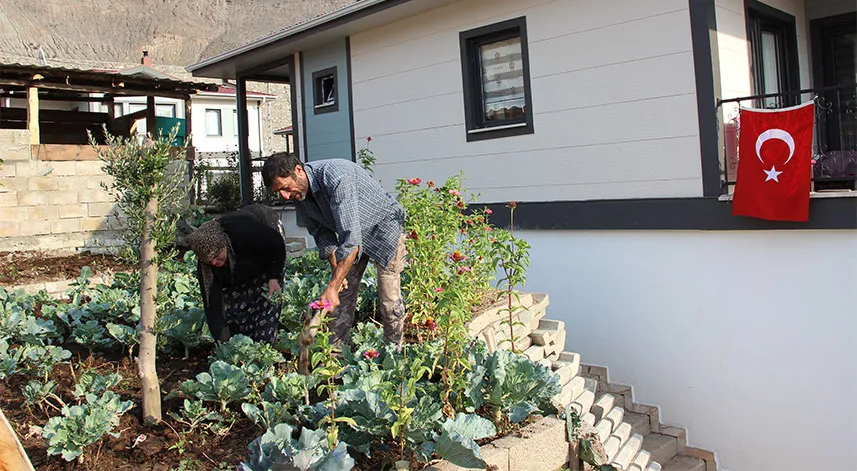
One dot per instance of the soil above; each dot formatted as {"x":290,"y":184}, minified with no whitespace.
{"x":18,"y":268}
{"x":152,"y":451}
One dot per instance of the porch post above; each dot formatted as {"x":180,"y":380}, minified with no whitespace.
{"x":150,"y":117}
{"x":33,"y":115}
{"x":244,"y":164}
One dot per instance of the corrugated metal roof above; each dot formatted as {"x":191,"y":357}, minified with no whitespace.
{"x":92,"y":77}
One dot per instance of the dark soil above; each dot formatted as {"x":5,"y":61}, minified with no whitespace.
{"x":153,"y":449}
{"x":18,"y":268}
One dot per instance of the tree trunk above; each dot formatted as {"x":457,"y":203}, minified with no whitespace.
{"x":148,"y":338}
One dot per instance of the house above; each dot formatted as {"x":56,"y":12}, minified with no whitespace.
{"x":611,"y":124}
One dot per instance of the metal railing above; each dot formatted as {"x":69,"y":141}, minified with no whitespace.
{"x":834,"y":148}
{"x":216,"y":184}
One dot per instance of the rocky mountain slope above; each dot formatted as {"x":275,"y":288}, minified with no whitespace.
{"x":175,"y":32}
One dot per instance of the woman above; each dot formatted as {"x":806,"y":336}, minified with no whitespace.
{"x":241,"y":258}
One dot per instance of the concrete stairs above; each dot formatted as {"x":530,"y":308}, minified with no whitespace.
{"x":633,"y":437}
{"x":631,"y":433}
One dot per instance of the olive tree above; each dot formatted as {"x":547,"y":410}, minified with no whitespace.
{"x":148,"y":184}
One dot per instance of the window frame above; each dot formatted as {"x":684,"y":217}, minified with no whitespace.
{"x":319,"y":107}
{"x":219,"y":122}
{"x":170,"y":106}
{"x":476,"y":129}
{"x":764,"y":18}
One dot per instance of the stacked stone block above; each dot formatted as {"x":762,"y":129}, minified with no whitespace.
{"x":52,"y":205}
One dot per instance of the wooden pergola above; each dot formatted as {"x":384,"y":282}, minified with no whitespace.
{"x":37,"y":83}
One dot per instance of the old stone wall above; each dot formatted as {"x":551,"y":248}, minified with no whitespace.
{"x":52,"y":205}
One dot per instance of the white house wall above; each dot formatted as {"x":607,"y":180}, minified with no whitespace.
{"x":228,"y":140}
{"x":613,"y":94}
{"x":749,"y":339}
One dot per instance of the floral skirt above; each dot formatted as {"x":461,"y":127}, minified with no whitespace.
{"x":248,"y":311}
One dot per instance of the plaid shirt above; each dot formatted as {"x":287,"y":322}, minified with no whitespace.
{"x":347,"y":208}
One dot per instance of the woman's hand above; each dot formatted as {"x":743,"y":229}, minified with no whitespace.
{"x":273,"y":286}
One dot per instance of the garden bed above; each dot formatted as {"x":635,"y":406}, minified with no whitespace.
{"x":30,"y":268}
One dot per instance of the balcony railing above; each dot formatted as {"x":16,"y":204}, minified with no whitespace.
{"x":834,"y":148}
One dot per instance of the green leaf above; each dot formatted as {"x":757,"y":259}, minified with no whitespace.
{"x":460,"y":451}
{"x":471,"y":426}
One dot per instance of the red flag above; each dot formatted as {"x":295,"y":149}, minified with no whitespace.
{"x":774,"y":167}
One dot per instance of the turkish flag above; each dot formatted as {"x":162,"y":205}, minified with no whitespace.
{"x":774,"y":166}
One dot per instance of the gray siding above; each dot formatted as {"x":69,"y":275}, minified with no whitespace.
{"x":328,"y":135}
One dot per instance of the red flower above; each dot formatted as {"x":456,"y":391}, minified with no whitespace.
{"x":469,"y":222}
{"x":430,"y":324}
{"x":463,"y":231}
{"x":487,"y":228}
{"x":488,"y":211}
{"x":368,"y":138}
{"x":371,"y":354}
{"x":457,"y":256}
{"x":460,"y":204}
{"x":414,"y":181}
{"x":462,"y":270}
{"x":413,"y":234}
{"x":430,"y":184}
{"x":512,"y":205}
{"x":439,"y":289}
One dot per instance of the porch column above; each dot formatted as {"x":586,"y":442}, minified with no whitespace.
{"x":150,"y":117}
{"x":244,"y":164}
{"x":33,"y":115}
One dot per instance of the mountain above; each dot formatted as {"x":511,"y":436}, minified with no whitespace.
{"x":175,"y":32}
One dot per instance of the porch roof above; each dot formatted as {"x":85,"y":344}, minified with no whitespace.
{"x":18,"y":77}
{"x":266,"y":59}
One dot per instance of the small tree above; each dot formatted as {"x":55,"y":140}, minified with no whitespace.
{"x":149,"y":187}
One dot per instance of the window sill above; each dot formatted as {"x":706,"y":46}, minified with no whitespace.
{"x":813,"y":195}
{"x":496,"y":128}
{"x":324,"y":105}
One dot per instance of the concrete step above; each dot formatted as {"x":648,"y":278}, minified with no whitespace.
{"x":662,"y":447}
{"x":684,"y":463}
{"x":629,"y":450}
{"x":622,"y":432}
{"x":654,"y":466}
{"x":603,"y":404}
{"x":639,"y":422}
{"x":640,"y":461}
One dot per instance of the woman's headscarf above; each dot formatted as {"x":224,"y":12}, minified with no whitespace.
{"x":206,"y":242}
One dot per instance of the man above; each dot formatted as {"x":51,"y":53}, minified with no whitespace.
{"x":353,"y":220}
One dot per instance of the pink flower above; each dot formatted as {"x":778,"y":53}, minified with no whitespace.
{"x":462,"y":270}
{"x":487,"y":228}
{"x":371,"y":354}
{"x":321,"y":304}
{"x":430,"y":324}
{"x":414,"y":181}
{"x":488,"y":211}
{"x":368,"y":138}
{"x":814,"y":161}
{"x":454,"y":192}
{"x":438,"y":289}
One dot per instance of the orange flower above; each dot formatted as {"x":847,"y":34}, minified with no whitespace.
{"x":457,"y":256}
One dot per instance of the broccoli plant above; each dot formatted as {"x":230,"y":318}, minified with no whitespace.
{"x":223,"y":384}
{"x":96,"y":414}
{"x":276,"y":450}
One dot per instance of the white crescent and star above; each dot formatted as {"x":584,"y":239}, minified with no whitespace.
{"x":784,"y":136}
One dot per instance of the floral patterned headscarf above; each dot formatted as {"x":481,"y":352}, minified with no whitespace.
{"x":206,"y":242}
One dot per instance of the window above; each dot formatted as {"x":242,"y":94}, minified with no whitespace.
{"x":496,"y":74}
{"x":213,"y":123}
{"x":773,"y":54}
{"x":166,"y":110}
{"x":135,"y":107}
{"x":324,"y":89}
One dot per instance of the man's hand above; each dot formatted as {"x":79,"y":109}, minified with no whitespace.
{"x":331,"y":295}
{"x":273,"y":287}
